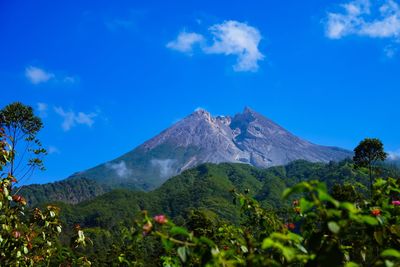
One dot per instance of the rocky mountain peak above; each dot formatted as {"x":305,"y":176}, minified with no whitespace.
{"x":201,"y":113}
{"x":247,"y":137}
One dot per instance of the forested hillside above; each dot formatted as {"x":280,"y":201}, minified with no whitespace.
{"x":72,"y":191}
{"x":202,"y":191}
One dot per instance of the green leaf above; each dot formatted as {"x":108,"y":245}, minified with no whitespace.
{"x":288,"y":253}
{"x":389,"y":263}
{"x":333,"y":227}
{"x":267,"y":243}
{"x":305,"y":205}
{"x":298,"y":188}
{"x":324,"y":196}
{"x":182,"y":253}
{"x":351,"y":264}
{"x":391,"y":253}
{"x":378,"y":237}
{"x":168,"y":245}
{"x":207,"y":241}
{"x":349,"y":206}
{"x":369,"y":220}
{"x":176,"y":230}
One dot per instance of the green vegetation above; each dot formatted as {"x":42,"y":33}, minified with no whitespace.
{"x":140,"y":160}
{"x":20,"y":126}
{"x":30,"y":240}
{"x":369,"y":152}
{"x":321,"y":231}
{"x":302,"y":214}
{"x":73,"y":190}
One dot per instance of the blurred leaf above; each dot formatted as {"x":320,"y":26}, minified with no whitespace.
{"x":333,"y":227}
{"x":176,"y":230}
{"x":378,"y":237}
{"x":182,"y":253}
{"x":391,"y":253}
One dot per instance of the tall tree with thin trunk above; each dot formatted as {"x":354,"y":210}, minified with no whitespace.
{"x":21,"y":127}
{"x":367,"y":154}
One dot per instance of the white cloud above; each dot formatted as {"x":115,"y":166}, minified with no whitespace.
{"x":120,"y":168}
{"x":228,"y":38}
{"x":390,"y":51}
{"x":199,"y":109}
{"x":72,"y":118}
{"x":165,"y":166}
{"x":359,"y":18}
{"x":37,"y":75}
{"x":42,"y":108}
{"x":185,"y":42}
{"x":394,"y":155}
{"x":239,"y":39}
{"x":53,"y":150}
{"x":69,"y":79}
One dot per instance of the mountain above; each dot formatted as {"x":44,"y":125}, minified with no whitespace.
{"x":207,"y":186}
{"x":70,"y":191}
{"x":201,"y":191}
{"x":247,"y":137}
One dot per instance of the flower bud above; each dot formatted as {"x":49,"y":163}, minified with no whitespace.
{"x":161,"y":219}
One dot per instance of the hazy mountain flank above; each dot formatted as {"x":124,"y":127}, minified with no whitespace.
{"x":247,"y":137}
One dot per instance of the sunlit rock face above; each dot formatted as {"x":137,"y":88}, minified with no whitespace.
{"x":247,"y":137}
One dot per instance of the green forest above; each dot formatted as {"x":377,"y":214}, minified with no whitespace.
{"x":303,"y":214}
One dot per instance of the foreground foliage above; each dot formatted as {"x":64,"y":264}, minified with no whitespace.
{"x":29,"y":239}
{"x":325,"y":219}
{"x":321,"y":231}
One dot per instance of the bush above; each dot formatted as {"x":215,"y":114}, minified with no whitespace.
{"x":320,"y":231}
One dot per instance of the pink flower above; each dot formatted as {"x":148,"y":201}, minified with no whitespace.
{"x":396,"y":202}
{"x":161,"y":219}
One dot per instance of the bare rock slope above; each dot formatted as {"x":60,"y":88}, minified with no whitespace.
{"x":247,"y":137}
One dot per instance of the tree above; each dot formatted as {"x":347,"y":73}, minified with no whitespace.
{"x":20,"y":128}
{"x":30,"y":240}
{"x":367,"y":154}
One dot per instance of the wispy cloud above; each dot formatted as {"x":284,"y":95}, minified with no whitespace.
{"x":37,"y":75}
{"x":118,"y":23}
{"x":185,"y":41}
{"x":390,"y":51}
{"x":128,"y":21}
{"x":53,"y":150}
{"x":364,"y":18}
{"x":165,"y":166}
{"x":120,"y":169}
{"x":42,"y":108}
{"x":70,"y":79}
{"x":228,"y":38}
{"x":394,"y":155}
{"x":72,"y":118}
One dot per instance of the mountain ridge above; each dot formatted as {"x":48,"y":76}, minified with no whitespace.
{"x":246,"y":137}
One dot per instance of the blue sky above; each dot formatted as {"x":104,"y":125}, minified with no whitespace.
{"x":107,"y":75}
